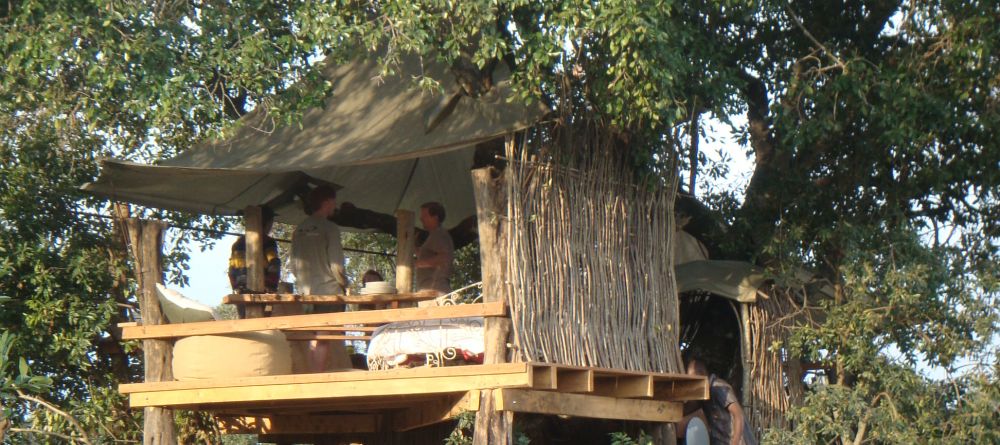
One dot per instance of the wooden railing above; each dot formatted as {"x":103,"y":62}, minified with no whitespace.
{"x":133,"y":331}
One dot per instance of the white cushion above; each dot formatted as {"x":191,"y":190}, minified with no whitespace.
{"x":179,"y":309}
{"x":427,"y":336}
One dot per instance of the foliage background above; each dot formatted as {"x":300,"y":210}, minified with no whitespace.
{"x":872,"y":125}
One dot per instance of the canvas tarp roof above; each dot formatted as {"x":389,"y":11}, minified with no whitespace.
{"x":735,"y":280}
{"x":740,"y":281}
{"x":388,"y":144}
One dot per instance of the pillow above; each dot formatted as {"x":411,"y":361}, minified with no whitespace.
{"x":179,"y":309}
{"x":247,"y":354}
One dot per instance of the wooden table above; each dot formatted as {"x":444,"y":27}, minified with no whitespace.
{"x":255,"y":303}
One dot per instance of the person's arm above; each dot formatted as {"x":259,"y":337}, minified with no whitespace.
{"x":335,"y":252}
{"x":738,"y":421}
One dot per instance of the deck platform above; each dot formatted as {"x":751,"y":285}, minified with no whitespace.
{"x":376,"y":402}
{"x":411,"y":398}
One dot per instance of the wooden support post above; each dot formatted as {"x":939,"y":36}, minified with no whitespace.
{"x":253,"y":221}
{"x":146,"y":238}
{"x":746,"y":355}
{"x":405,"y":249}
{"x":493,"y":427}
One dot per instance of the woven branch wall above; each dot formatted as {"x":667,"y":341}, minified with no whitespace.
{"x":769,"y":398}
{"x":589,"y":268}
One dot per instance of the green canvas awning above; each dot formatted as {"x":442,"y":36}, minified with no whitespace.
{"x":741,"y":281}
{"x":387,"y":143}
{"x":735,"y":280}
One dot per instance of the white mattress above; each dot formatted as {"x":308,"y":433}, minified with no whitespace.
{"x":427,"y":337}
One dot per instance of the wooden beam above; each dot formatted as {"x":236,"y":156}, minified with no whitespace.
{"x":492,"y":427}
{"x":146,"y":238}
{"x":367,"y":388}
{"x":313,"y":424}
{"x":437,"y":411}
{"x":324,"y":406}
{"x":327,"y":299}
{"x":580,"y":405}
{"x":495,"y":309}
{"x":405,"y":249}
{"x":253,"y":222}
{"x":391,"y":374}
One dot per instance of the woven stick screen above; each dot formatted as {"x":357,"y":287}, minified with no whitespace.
{"x":770,"y":389}
{"x":589,"y":267}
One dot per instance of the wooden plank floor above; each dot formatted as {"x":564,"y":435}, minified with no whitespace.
{"x":422,"y":396}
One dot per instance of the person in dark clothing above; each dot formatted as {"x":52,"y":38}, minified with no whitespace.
{"x":727,"y":424}
{"x":272,"y":263}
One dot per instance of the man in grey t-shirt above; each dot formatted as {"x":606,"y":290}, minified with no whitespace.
{"x":435,"y":255}
{"x":318,"y":264}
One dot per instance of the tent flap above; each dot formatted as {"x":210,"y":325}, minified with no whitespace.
{"x":735,"y":280}
{"x":198,"y":190}
{"x":388,"y":143}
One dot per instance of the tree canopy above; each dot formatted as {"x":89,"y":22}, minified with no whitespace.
{"x":871,"y":123}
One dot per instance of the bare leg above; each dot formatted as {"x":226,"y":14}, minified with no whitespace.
{"x":319,"y":351}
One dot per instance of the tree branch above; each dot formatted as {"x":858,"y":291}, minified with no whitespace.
{"x":47,"y":433}
{"x":83,"y":433}
{"x":798,"y":23}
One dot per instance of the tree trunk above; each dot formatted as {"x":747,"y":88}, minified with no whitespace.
{"x":146,"y":238}
{"x":492,"y":427}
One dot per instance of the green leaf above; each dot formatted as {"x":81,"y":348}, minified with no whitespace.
{"x":22,"y":366}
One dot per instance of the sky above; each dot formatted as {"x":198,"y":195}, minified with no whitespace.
{"x":207,"y":279}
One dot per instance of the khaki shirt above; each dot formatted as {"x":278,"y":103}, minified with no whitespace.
{"x":436,"y":278}
{"x":318,"y":258}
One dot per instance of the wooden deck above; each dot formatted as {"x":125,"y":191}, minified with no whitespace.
{"x":412,"y":398}
{"x":361,"y":402}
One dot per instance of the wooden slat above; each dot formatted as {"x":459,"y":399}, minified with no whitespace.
{"x":353,"y":405}
{"x":335,"y":329}
{"x":327,"y":299}
{"x":575,"y":380}
{"x":543,"y":377}
{"x":411,"y":373}
{"x":327,"y":424}
{"x":328,"y":390}
{"x":681,"y":390}
{"x":626,"y":386}
{"x":494,"y":309}
{"x":429,"y":413}
{"x":580,"y":405}
{"x":307,"y":336}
